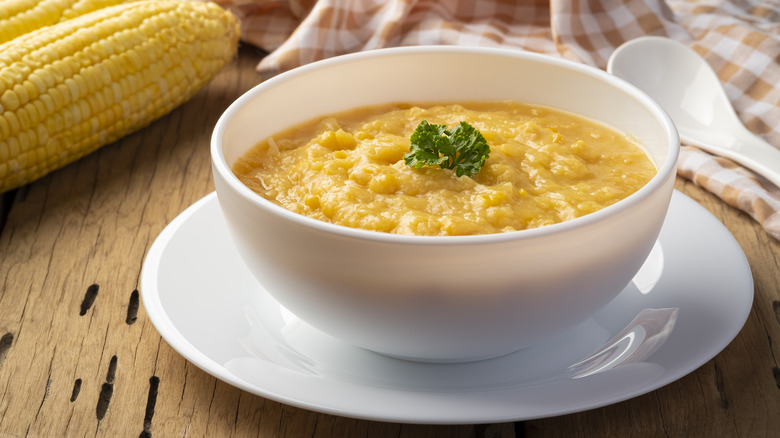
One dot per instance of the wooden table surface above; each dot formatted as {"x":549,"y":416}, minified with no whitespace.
{"x":79,"y":356}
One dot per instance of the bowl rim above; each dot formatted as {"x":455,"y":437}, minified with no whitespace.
{"x":665,"y":171}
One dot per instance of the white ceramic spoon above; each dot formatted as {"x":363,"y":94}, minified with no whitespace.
{"x":686,"y":87}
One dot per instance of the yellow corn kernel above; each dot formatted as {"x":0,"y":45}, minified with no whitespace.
{"x":9,"y":100}
{"x":493,"y":198}
{"x":5,"y":153}
{"x":72,"y":87}
{"x":345,"y":139}
{"x":384,"y":184}
{"x":389,"y":152}
{"x":5,"y":128}
{"x":363,"y":135}
{"x":521,"y":192}
{"x":337,"y":166}
{"x":337,"y":139}
{"x":328,"y":140}
{"x":13,"y":122}
{"x":312,"y":201}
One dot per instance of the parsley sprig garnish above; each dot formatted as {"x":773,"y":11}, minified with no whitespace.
{"x":462,"y":148}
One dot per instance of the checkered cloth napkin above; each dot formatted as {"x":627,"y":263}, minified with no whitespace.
{"x":740,"y":39}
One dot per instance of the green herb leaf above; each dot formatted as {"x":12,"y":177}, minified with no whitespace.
{"x":462,"y":148}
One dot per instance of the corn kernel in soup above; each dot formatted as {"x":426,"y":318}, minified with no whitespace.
{"x":545,"y":166}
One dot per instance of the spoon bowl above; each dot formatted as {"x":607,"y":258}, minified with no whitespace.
{"x":687,"y":88}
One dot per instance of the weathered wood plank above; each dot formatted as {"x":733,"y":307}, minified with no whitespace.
{"x":78,"y":355}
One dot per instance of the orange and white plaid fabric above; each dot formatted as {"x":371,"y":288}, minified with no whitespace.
{"x":740,"y":39}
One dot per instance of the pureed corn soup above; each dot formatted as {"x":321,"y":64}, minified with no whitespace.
{"x":544,"y":167}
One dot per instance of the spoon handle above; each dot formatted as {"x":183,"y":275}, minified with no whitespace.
{"x":748,"y":150}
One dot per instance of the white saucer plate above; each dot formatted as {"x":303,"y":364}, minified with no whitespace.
{"x":688,"y":302}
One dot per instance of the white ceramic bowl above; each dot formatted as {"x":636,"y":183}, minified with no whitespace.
{"x":442,"y":298}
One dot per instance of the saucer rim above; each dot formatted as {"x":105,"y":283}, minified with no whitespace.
{"x":178,"y":341}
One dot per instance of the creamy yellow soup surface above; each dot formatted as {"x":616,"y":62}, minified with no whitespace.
{"x":545,"y":167}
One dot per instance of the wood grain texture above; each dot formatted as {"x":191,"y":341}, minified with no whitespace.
{"x":78,"y":355}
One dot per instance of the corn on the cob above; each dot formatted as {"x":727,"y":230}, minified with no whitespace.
{"x":67,"y":89}
{"x":18,"y":17}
